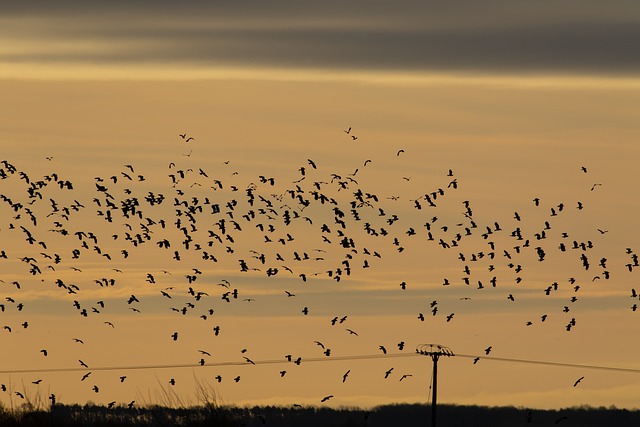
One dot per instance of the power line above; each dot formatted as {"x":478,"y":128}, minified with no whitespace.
{"x":213,"y":364}
{"x":311,"y":360}
{"x":548,"y":363}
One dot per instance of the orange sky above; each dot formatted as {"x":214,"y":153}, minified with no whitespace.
{"x":509,"y":135}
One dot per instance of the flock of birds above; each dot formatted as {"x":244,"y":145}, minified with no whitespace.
{"x":322,"y":226}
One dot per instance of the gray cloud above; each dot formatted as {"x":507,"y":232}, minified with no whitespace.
{"x":586,"y":37}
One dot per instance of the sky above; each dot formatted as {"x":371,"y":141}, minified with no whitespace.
{"x":385,"y":145}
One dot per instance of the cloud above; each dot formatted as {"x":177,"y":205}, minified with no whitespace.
{"x":466,"y":37}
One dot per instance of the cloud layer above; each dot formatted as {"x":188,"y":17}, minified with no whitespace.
{"x":467,"y":37}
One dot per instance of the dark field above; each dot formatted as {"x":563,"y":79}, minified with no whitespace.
{"x":388,"y":415}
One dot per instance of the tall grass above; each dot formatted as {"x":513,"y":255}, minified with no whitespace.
{"x":163,"y":407}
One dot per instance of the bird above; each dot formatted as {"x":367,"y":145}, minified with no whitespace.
{"x":324,"y":399}
{"x":387,"y":373}
{"x":346,"y":374}
{"x":578,"y":381}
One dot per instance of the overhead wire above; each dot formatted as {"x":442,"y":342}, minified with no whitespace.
{"x":313,"y":360}
{"x":549,"y":363}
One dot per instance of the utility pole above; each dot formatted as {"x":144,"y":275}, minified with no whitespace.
{"x":434,"y":351}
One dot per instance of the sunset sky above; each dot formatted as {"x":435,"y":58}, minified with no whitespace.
{"x":483,"y":107}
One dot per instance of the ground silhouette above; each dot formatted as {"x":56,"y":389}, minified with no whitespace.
{"x":387,"y":415}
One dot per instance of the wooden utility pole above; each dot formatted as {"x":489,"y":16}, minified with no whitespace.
{"x":434,"y":398}
{"x":434,"y":351}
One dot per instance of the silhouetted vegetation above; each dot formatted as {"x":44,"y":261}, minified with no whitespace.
{"x":388,"y":415}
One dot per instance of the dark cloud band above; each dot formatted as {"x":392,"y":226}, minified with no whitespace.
{"x":423,"y":37}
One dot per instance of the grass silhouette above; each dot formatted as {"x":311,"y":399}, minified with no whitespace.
{"x":36,"y":410}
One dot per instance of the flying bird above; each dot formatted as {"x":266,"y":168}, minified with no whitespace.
{"x":387,"y":373}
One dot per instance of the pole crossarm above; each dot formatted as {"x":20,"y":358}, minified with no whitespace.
{"x":434,"y":350}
